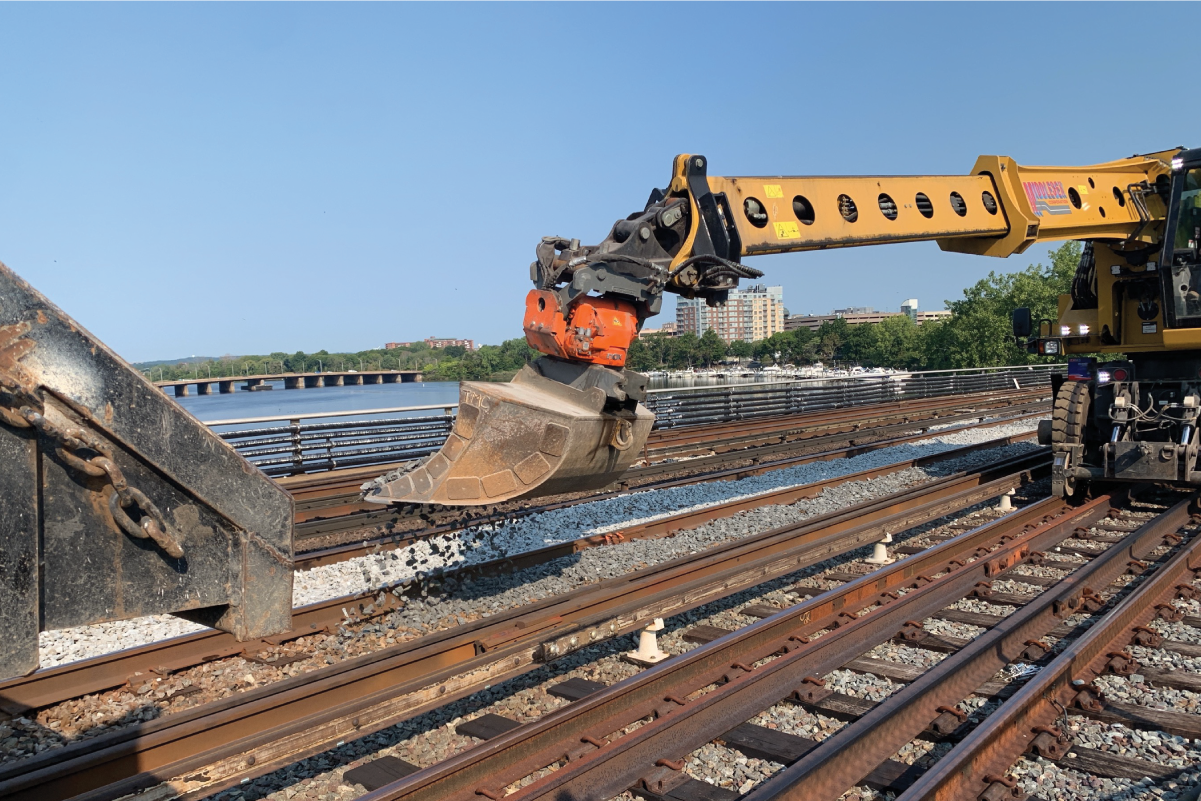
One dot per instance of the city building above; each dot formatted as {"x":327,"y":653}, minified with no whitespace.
{"x":753,"y":313}
{"x":434,"y":342}
{"x":858,"y":315}
{"x":667,"y":330}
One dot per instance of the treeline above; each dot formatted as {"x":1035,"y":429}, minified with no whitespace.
{"x":978,"y":333}
{"x":454,"y":363}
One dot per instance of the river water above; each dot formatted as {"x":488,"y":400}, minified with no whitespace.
{"x":283,"y":403}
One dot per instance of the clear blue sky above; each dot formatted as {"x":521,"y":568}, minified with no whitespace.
{"x":234,"y":178}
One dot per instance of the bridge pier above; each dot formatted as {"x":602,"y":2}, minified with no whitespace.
{"x":226,"y":387}
{"x":312,"y":381}
{"x":294,"y":382}
{"x":390,"y":378}
{"x":353,"y":380}
{"x":204,"y":388}
{"x":372,"y":378}
{"x":410,"y":378}
{"x":181,"y":390}
{"x":252,"y":382}
{"x":332,"y":381}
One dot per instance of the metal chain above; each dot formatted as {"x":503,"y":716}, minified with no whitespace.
{"x":19,"y":408}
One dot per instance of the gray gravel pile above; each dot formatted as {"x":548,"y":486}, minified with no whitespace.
{"x":1179,"y":631}
{"x":905,"y":654}
{"x":1047,"y":780}
{"x":797,"y":720}
{"x":861,"y":685}
{"x":1135,"y":690}
{"x":982,"y":607}
{"x":484,"y":543}
{"x":947,"y":628}
{"x":1050,"y":780}
{"x":725,"y":767}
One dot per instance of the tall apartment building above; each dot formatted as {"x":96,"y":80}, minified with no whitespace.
{"x":752,"y":313}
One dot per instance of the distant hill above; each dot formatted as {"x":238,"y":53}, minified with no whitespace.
{"x":185,"y":360}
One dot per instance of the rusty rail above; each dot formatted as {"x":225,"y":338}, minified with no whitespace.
{"x":57,"y":684}
{"x":873,"y":738}
{"x":322,"y":516}
{"x":297,"y":717}
{"x":696,"y":697}
{"x":991,"y":750}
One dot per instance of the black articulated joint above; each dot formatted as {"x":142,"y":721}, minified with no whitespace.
{"x":711,"y":238}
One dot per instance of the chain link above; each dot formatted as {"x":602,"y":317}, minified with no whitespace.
{"x":20,"y":408}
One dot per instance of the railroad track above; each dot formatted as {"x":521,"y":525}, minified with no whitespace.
{"x":55,"y":685}
{"x":336,"y":492}
{"x":329,"y":505}
{"x":638,"y":735}
{"x":222,"y":743}
{"x":713,"y":469}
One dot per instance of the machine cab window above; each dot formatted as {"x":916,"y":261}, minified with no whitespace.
{"x":1184,"y":266}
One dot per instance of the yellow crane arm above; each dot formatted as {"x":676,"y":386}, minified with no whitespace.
{"x":1000,"y":209}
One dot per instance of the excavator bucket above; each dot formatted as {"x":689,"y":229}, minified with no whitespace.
{"x":530,"y":437}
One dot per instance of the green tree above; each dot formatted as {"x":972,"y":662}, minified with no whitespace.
{"x":979,"y":332}
{"x":740,"y":349}
{"x":711,"y":348}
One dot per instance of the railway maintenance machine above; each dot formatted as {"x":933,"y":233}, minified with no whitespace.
{"x":115,"y":502}
{"x":1127,"y":408}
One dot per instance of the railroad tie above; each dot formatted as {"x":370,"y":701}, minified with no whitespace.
{"x":1115,"y":766}
{"x":850,"y":708}
{"x":704,"y":634}
{"x":759,"y":610}
{"x":486,"y":726}
{"x":760,"y":742}
{"x":688,"y":789}
{"x":1133,"y":716}
{"x":379,"y":772}
{"x":575,"y":689}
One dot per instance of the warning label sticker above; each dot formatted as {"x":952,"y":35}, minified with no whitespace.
{"x":773,"y":190}
{"x":787,"y":230}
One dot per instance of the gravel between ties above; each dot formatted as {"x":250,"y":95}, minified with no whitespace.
{"x":479,"y":544}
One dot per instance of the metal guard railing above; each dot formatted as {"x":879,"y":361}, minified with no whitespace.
{"x":300,"y":447}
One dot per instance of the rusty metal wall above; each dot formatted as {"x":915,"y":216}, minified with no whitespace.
{"x":116,"y":503}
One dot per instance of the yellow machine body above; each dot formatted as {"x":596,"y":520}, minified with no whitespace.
{"x":690,"y":240}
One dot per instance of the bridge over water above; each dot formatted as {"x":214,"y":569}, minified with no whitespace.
{"x":227,"y":384}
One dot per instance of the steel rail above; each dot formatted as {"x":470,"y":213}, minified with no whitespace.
{"x":732,"y":686}
{"x":688,"y":440}
{"x":300,"y":716}
{"x":341,"y":496}
{"x":312,"y":490}
{"x":296,"y":447}
{"x":867,"y":742}
{"x":337,"y":553}
{"x":989,"y":751}
{"x":57,"y":684}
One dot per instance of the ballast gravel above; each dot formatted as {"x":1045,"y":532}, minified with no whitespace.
{"x":431,"y":737}
{"x":480,"y":544}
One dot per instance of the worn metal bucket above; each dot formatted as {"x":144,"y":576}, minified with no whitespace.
{"x":530,"y":437}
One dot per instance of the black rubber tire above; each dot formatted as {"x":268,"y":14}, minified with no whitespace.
{"x":1069,"y":419}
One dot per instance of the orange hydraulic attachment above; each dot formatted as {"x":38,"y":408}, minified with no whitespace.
{"x":596,"y":330}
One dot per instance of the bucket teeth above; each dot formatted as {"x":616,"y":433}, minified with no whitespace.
{"x":530,"y":437}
